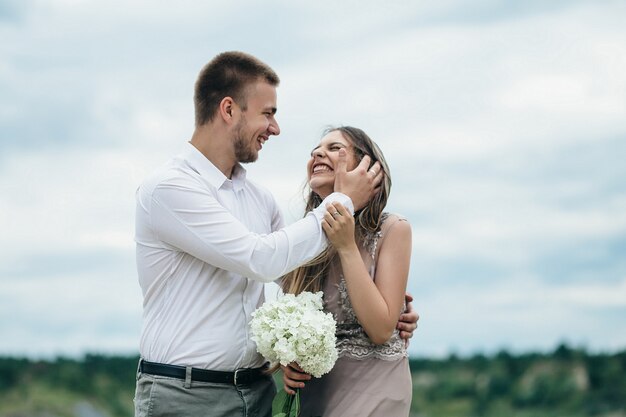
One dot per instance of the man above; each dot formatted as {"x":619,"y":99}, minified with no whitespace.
{"x":207,"y":241}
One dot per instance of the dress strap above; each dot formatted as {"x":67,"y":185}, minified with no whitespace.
{"x":388,"y":220}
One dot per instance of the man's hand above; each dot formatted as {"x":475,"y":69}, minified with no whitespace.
{"x":408,"y":320}
{"x":360,"y":184}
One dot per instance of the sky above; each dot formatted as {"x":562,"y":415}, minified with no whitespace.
{"x":504,"y":124}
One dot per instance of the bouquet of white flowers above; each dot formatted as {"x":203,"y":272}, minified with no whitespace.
{"x":293,"y":328}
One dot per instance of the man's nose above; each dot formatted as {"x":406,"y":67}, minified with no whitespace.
{"x":274,"y":129}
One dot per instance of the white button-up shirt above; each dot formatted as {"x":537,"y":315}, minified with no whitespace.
{"x":205,"y":246}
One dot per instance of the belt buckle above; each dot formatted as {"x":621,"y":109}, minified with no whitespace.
{"x":235,"y":377}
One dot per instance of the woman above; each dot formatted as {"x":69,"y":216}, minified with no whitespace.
{"x":363,"y":276}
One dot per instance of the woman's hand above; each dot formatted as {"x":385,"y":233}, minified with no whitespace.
{"x":293,"y":376}
{"x":338,"y":224}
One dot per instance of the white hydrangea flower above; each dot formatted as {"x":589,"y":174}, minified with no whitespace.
{"x":295,"y":329}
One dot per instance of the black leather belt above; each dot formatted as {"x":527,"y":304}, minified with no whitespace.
{"x":244,"y":376}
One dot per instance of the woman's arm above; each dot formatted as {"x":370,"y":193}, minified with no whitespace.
{"x":377,"y":304}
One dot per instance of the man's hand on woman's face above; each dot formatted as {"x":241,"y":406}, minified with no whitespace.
{"x":360,"y":184}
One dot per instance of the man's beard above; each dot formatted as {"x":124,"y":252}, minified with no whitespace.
{"x":243,"y":152}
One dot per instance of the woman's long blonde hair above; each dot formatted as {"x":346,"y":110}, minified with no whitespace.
{"x":310,"y":277}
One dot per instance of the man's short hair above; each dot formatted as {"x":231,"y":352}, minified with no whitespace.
{"x":228,"y":75}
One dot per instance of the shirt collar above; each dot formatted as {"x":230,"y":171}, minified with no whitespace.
{"x":238,"y":177}
{"x":210,"y":172}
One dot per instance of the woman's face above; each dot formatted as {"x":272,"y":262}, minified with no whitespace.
{"x":324,"y":158}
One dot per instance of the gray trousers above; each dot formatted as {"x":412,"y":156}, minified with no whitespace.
{"x":159,"y":396}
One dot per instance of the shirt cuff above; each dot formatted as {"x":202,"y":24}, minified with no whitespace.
{"x":320,"y":210}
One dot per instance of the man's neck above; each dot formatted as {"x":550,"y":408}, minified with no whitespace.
{"x":216,"y":147}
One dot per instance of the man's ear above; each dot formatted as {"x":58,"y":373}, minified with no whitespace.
{"x":227,"y":109}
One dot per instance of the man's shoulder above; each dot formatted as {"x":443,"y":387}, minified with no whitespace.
{"x":174,"y":172}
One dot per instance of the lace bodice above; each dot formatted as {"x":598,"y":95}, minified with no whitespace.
{"x":352,"y":341}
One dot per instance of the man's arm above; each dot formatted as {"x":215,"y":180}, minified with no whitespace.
{"x":191,"y":220}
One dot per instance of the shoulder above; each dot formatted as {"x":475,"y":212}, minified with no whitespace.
{"x":169,"y":174}
{"x":395,"y":232}
{"x":394,"y":228}
{"x":172,"y":176}
{"x":392,"y":222}
{"x":395,"y":235}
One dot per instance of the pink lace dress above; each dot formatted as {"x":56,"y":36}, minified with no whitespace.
{"x":368,"y":379}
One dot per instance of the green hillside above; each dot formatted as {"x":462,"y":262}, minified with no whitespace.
{"x":566,"y":383}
